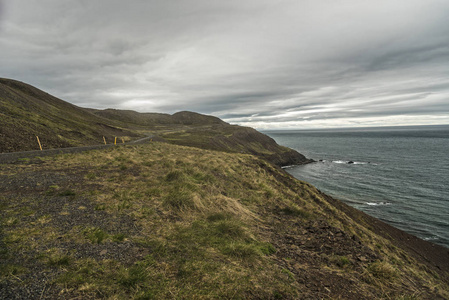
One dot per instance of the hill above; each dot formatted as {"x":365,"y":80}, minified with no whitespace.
{"x":200,"y":212}
{"x":157,"y":119}
{"x":27,"y":112}
{"x":163,"y":221}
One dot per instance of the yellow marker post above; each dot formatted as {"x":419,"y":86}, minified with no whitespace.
{"x":115,"y":141}
{"x":104,"y":140}
{"x":40,"y":146}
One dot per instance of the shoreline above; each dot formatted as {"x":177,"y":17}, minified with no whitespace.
{"x":436,"y":255}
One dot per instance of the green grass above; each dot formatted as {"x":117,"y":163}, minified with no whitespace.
{"x":67,"y":193}
{"x":95,"y":235}
{"x":185,"y":223}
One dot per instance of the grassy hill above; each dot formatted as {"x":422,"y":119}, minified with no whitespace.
{"x":163,"y":221}
{"x":27,"y":112}
{"x":201,"y":212}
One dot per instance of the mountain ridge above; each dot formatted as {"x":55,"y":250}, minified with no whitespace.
{"x":28,"y":112}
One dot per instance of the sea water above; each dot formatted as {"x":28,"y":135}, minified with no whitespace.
{"x":397,"y":174}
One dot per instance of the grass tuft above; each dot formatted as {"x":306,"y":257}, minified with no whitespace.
{"x":119,"y":237}
{"x":229,"y":228}
{"x":267,"y":248}
{"x":294,"y":210}
{"x":220,"y":216}
{"x":179,"y":199}
{"x":133,"y":276}
{"x":67,"y":193}
{"x":242,"y":251}
{"x":382,"y":270}
{"x":174,"y":176}
{"x":340,"y":261}
{"x":95,"y":235}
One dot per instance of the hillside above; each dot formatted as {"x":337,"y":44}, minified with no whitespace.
{"x":163,"y":221}
{"x":27,"y":112}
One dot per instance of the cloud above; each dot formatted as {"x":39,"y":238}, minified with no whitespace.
{"x":259,"y":63}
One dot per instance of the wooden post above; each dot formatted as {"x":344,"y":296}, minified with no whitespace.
{"x":104,"y":140}
{"x":40,"y":146}
{"x":115,"y":141}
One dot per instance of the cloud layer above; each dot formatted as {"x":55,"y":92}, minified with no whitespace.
{"x":264,"y":63}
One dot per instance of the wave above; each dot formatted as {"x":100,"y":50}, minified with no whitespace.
{"x":340,"y":162}
{"x":350,"y":162}
{"x":288,"y":167}
{"x":431,"y":238}
{"x":377,"y":203}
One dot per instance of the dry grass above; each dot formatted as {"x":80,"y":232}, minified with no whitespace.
{"x":194,"y":224}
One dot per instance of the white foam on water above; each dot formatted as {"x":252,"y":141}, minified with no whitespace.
{"x":339,"y":162}
{"x":351,"y":162}
{"x":287,"y":167}
{"x":377,"y":203}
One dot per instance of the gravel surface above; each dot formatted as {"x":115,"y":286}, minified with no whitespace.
{"x":28,"y":198}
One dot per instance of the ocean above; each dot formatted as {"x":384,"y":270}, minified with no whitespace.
{"x":397,"y":174}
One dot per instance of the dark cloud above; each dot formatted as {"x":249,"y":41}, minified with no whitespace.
{"x":262,"y":63}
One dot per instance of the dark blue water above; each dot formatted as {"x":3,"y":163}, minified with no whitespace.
{"x":399,"y":175}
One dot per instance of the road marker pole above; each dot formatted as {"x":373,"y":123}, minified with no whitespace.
{"x":115,"y":141}
{"x":40,"y":146}
{"x":104,"y":140}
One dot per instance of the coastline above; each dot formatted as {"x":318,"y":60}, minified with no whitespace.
{"x":159,"y":207}
{"x":436,"y":256}
{"x":397,"y":175}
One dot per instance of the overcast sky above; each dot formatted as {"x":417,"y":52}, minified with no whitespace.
{"x":261,"y":63}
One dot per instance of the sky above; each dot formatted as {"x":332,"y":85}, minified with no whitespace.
{"x":268,"y":64}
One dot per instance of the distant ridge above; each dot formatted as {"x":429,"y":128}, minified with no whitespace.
{"x":151,"y":119}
